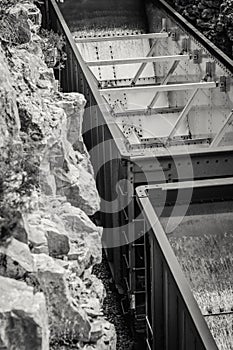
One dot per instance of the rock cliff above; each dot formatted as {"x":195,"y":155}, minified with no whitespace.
{"x":48,"y":244}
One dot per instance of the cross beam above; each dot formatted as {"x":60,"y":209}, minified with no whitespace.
{"x":158,"y":110}
{"x":167,"y":87}
{"x":220,"y":134}
{"x":136,"y":60}
{"x":122,"y":37}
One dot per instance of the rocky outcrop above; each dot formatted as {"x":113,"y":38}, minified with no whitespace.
{"x":67,"y":320}
{"x":15,"y":260}
{"x":23,"y":317}
{"x":47,"y":192}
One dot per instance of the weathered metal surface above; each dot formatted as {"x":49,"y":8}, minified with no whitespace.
{"x":174,"y":320}
{"x":129,"y":141}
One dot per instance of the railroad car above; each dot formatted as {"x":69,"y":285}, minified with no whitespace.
{"x":200,"y":233}
{"x":159,"y":110}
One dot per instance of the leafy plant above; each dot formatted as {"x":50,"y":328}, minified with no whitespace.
{"x":53,"y":47}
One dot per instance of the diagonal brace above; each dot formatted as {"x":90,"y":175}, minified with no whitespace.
{"x":183,"y":113}
{"x":150,"y":53}
{"x":143,"y":65}
{"x":164,"y":82}
{"x":220,"y":134}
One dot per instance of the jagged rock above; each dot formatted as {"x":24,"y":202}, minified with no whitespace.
{"x":66,"y":318}
{"x":94,"y":285}
{"x":31,"y":12}
{"x":15,"y":260}
{"x":75,"y":181}
{"x":107,"y":336}
{"x":85,"y":290}
{"x":46,"y":235}
{"x":108,"y":339}
{"x":84,"y":236}
{"x":96,"y":330}
{"x":73,"y":104}
{"x":34,"y":109}
{"x":14,"y":29}
{"x":23,"y":317}
{"x":92,"y":307}
{"x":9,"y":117}
{"x":20,"y":230}
{"x":36,"y":234}
{"x":58,"y":241}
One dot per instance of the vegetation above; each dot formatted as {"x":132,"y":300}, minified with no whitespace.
{"x":19,"y":180}
{"x":53,"y":46}
{"x":214,"y":18}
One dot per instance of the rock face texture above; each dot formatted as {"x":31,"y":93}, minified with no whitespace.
{"x":23,"y":317}
{"x":48,"y":244}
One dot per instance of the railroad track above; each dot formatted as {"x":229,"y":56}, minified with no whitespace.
{"x":159,"y":110}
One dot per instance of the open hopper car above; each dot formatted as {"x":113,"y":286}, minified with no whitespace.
{"x":159,"y":110}
{"x":200,"y":229}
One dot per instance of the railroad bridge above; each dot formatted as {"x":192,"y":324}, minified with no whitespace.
{"x":158,"y":126}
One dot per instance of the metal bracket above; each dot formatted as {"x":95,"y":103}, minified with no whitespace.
{"x":164,"y":25}
{"x":185,"y":45}
{"x":224,"y":84}
{"x":123,"y":307}
{"x":196,"y":56}
{"x":210,"y":68}
{"x":175,"y":35}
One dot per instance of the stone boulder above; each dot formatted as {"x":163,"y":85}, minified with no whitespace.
{"x":47,"y":235}
{"x":84,"y":236}
{"x":103,"y":336}
{"x":74,"y":178}
{"x":23,"y":317}
{"x":30,"y":11}
{"x":66,"y":319}
{"x":73,"y":103}
{"x":15,"y":260}
{"x":9,"y":117}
